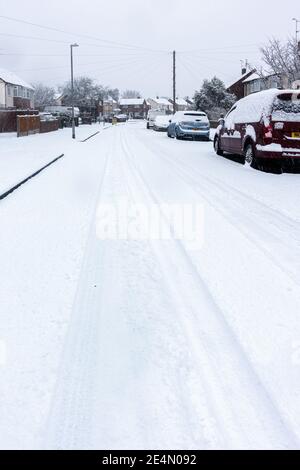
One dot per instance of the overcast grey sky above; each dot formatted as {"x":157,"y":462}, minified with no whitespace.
{"x":211,"y":38}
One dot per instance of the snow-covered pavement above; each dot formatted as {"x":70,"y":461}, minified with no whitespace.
{"x":150,"y":343}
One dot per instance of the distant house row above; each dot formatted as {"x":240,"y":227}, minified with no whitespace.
{"x":138,"y":107}
{"x":15,"y":93}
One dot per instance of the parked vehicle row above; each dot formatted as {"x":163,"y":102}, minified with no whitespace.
{"x":263,"y":129}
{"x":192,"y":125}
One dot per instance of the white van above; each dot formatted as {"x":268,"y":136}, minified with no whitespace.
{"x":152,"y":115}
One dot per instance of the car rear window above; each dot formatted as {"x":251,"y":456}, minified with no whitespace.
{"x":195,"y":115}
{"x":286,"y":105}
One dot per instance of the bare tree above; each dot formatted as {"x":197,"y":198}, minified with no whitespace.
{"x":43,"y":96}
{"x":282,"y":59}
{"x":87,"y":92}
{"x":131,"y":94}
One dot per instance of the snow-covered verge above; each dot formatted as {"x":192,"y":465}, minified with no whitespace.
{"x":150,"y":344}
{"x":20,"y":157}
{"x":44,"y":228}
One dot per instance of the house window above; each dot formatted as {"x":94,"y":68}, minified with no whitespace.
{"x":15,"y":91}
{"x":9,"y":90}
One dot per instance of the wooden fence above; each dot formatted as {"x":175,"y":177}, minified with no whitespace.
{"x":27,"y":125}
{"x":8,"y":119}
{"x":49,"y":126}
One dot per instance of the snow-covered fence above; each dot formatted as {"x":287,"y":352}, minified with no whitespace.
{"x":8,"y":119}
{"x":49,"y":126}
{"x":27,"y":125}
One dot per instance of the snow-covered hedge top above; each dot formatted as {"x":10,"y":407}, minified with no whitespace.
{"x":255,"y":107}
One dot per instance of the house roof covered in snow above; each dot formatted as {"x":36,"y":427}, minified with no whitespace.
{"x":110,"y":99}
{"x":241,"y":78}
{"x":161,"y":101}
{"x":181,"y":102}
{"x":252,"y":77}
{"x":13,"y":79}
{"x":132,"y":101}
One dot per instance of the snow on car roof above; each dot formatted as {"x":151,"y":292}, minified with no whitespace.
{"x":191,"y":113}
{"x":254,"y":107}
{"x":13,"y":79}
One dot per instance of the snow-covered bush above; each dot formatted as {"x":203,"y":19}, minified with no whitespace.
{"x":213,"y":98}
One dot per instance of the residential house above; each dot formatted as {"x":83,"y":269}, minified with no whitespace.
{"x":160,"y":104}
{"x":252,"y":82}
{"x":237,"y":87}
{"x":181,"y":104}
{"x":135,"y":108}
{"x":190,"y":102}
{"x":255,"y":83}
{"x":15,"y":93}
{"x":58,"y":97}
{"x":109,"y":107}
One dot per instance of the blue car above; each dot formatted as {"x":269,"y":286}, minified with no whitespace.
{"x":193,"y":125}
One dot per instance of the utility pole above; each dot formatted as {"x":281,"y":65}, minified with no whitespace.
{"x":297,"y":30}
{"x":174,"y":82}
{"x":72,"y":90}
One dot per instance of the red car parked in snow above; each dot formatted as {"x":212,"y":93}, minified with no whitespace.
{"x":264,"y":129}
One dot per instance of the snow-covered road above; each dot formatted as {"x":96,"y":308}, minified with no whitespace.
{"x":150,"y":343}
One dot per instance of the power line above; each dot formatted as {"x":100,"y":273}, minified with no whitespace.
{"x":105,"y":63}
{"x":34,"y":38}
{"x":239,"y":46}
{"x":119,"y":44}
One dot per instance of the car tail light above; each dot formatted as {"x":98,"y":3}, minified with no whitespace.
{"x":268,"y":133}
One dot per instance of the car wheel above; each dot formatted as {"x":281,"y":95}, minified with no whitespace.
{"x":249,"y":154}
{"x":217,"y":147}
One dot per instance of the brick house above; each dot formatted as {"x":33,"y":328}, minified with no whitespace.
{"x":252,"y":82}
{"x":15,"y":92}
{"x":255,"y":83}
{"x":136,"y":108}
{"x":237,"y":87}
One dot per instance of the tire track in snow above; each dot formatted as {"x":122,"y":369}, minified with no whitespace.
{"x":260,"y":408}
{"x":196,"y":413}
{"x":68,"y":423}
{"x":277,"y":214}
{"x":290,"y":246}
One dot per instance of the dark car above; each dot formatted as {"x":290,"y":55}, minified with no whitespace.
{"x":263,"y":129}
